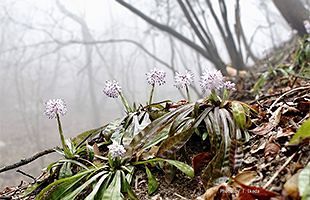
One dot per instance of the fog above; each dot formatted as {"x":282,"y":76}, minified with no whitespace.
{"x":68,"y":49}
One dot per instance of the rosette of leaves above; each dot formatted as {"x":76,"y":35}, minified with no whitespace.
{"x":103,"y":177}
{"x":224,"y":125}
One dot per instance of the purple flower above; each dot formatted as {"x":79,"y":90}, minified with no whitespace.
{"x":112,"y":89}
{"x":211,"y":81}
{"x":54,"y":107}
{"x":229,"y":85}
{"x":156,"y":76}
{"x":116,"y":150}
{"x":183,"y":80}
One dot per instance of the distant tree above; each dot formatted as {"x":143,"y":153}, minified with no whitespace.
{"x":195,"y":13}
{"x":294,"y":12}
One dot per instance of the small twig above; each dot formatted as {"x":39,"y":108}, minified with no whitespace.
{"x":28,"y":175}
{"x":264,"y":97}
{"x":176,"y":194}
{"x":287,"y":93}
{"x":279,"y":170}
{"x":26,"y":160}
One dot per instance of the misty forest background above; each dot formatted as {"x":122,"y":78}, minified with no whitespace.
{"x":67,"y":49}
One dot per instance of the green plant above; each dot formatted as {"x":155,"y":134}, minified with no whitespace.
{"x":149,"y":137}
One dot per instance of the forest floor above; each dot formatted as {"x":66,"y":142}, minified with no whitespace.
{"x":282,"y":102}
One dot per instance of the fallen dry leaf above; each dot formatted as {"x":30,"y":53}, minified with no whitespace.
{"x":200,"y":160}
{"x":267,"y":127}
{"x":245,"y":177}
{"x":219,"y":192}
{"x":255,"y":192}
{"x":291,"y":187}
{"x":271,"y":150}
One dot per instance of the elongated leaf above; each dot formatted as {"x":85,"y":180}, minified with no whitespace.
{"x":87,"y":134}
{"x":302,"y":133}
{"x":185,"y":168}
{"x":65,"y":170}
{"x":113,"y":192}
{"x":174,"y":143}
{"x":59,"y":188}
{"x":179,"y":120}
{"x":225,"y":130}
{"x":162,"y":135}
{"x":73,"y":162}
{"x":149,"y":132}
{"x":239,"y":114}
{"x":93,"y":194}
{"x":127,"y":187}
{"x":152,"y":185}
{"x":76,"y":192}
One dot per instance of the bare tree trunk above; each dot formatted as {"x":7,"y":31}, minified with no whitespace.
{"x":294,"y":13}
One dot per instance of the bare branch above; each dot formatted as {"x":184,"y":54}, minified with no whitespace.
{"x":25,"y":161}
{"x":166,"y":28}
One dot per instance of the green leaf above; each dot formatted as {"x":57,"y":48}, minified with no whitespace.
{"x":91,"y":133}
{"x":65,"y":170}
{"x":152,"y":185}
{"x":113,"y":192}
{"x":126,"y":186}
{"x":76,"y":192}
{"x":302,"y":133}
{"x":93,"y":194}
{"x":186,"y":169}
{"x":74,"y":162}
{"x":239,"y":114}
{"x":59,"y":188}
{"x":304,"y":182}
{"x":260,"y":83}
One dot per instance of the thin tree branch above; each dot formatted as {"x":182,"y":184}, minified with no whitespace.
{"x":25,"y":161}
{"x":166,"y":28}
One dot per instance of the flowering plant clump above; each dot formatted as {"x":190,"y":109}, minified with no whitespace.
{"x":116,"y":150}
{"x":112,"y":89}
{"x":54,"y":107}
{"x":156,"y":76}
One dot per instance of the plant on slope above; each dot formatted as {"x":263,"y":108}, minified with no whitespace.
{"x":150,"y":136}
{"x":103,"y":175}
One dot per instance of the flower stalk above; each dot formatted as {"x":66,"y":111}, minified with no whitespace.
{"x":187,"y":94}
{"x":125,"y":103}
{"x":151,"y":94}
{"x":62,"y":138}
